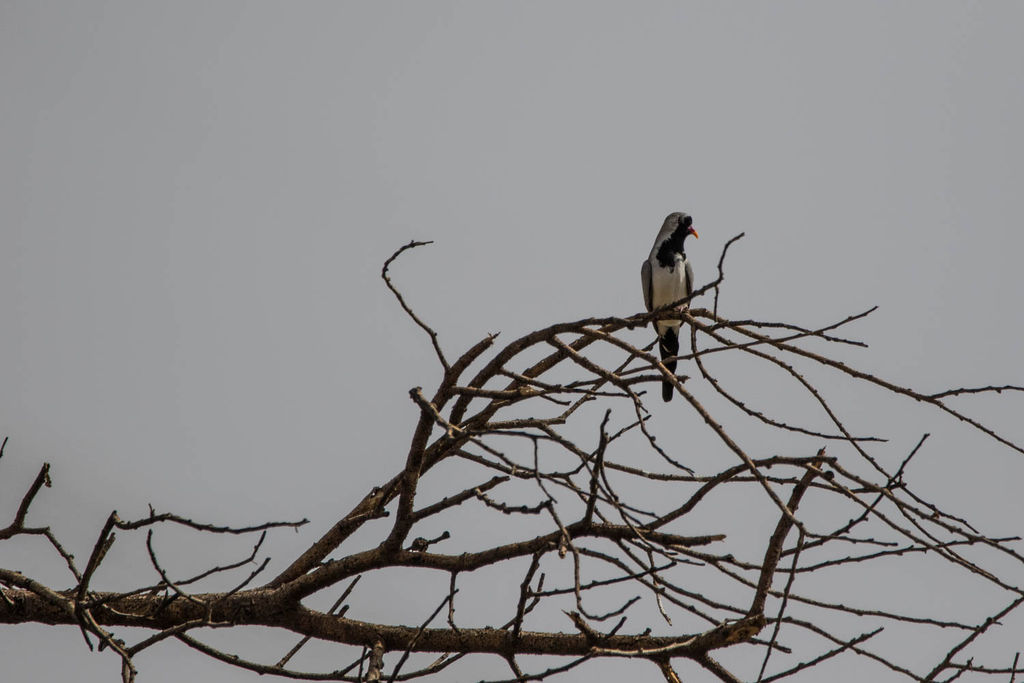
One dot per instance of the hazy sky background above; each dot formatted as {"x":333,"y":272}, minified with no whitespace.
{"x":196,"y":199}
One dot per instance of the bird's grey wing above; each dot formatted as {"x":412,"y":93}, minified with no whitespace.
{"x":645,"y":279}
{"x":688,"y":269}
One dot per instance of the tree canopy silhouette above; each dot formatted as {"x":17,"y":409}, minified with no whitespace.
{"x":567,"y":531}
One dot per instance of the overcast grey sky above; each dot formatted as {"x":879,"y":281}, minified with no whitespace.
{"x":196,"y":199}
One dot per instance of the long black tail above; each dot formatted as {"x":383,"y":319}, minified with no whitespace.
{"x":669,"y":345}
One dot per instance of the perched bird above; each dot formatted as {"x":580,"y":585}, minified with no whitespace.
{"x":667,"y":277}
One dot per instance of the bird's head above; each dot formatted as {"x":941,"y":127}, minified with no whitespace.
{"x":680,"y":220}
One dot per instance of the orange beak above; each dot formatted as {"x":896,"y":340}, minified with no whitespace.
{"x":694,"y":233}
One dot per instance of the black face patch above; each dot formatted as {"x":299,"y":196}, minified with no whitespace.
{"x":674,"y":244}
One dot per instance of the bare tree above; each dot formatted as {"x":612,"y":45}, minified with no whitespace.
{"x":552,"y":433}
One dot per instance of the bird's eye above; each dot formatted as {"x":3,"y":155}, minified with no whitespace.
{"x":687,"y":222}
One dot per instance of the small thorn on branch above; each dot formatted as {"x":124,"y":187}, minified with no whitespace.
{"x":420,"y":544}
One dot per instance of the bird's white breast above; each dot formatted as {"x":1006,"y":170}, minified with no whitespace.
{"x":668,"y":285}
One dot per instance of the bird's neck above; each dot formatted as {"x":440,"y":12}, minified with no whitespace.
{"x":670,"y":249}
